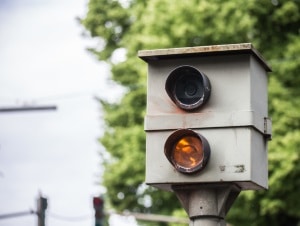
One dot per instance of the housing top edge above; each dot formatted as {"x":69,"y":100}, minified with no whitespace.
{"x":157,"y":54}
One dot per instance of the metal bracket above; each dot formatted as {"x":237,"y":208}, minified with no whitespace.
{"x":268,"y":128}
{"x":208,"y":202}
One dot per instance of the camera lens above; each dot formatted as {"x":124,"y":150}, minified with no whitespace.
{"x":187,"y":87}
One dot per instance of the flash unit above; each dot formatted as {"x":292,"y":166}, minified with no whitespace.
{"x":187,"y":151}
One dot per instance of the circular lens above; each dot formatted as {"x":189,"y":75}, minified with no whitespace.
{"x":189,"y":89}
{"x":188,"y":152}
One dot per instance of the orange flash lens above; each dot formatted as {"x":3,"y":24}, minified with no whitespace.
{"x":188,"y":152}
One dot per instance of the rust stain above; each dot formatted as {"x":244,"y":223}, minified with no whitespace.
{"x":239,"y":168}
{"x":222,"y":168}
{"x":232,"y":169}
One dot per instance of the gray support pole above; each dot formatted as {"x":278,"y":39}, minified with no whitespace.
{"x":207,"y":205}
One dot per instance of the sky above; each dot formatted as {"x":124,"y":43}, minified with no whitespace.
{"x":43,"y":61}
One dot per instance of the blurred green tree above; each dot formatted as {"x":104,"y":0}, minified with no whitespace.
{"x":273,"y":26}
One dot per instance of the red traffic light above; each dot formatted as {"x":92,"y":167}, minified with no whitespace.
{"x":98,"y":202}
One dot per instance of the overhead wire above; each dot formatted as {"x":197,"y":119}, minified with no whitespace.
{"x":53,"y":97}
{"x":69,"y":218}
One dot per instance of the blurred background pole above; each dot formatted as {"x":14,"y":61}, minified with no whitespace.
{"x":18,"y":214}
{"x":41,"y":209}
{"x":27,"y":108}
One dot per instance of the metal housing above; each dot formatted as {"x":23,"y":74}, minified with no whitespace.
{"x":234,"y":120}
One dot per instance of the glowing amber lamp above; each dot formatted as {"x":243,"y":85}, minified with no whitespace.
{"x":187,"y":151}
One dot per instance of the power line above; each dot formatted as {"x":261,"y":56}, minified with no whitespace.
{"x":69,"y":218}
{"x":153,"y":217}
{"x":60,"y":96}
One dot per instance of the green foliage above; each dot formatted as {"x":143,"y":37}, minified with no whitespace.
{"x":271,"y":25}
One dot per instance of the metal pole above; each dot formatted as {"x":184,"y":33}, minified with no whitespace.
{"x":27,"y":108}
{"x":207,"y":205}
{"x":41,"y":209}
{"x":18,"y":214}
